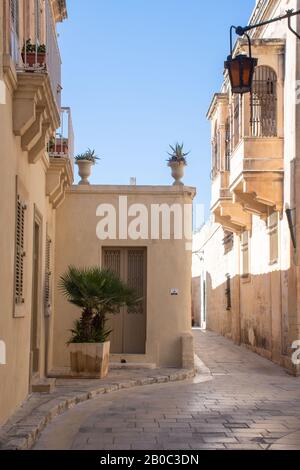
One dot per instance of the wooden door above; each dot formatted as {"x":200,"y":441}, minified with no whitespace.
{"x":129,"y":325}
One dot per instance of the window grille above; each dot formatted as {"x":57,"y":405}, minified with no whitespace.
{"x":264,"y":103}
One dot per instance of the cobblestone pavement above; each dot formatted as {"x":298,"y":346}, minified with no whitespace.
{"x":245,"y":402}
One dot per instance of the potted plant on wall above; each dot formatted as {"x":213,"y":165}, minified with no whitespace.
{"x":33,"y":54}
{"x":85,"y":161}
{"x":177,"y":162}
{"x":98,"y":292}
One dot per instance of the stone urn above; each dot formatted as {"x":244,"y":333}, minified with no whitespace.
{"x":89,"y":360}
{"x":177,"y":171}
{"x":84,"y":170}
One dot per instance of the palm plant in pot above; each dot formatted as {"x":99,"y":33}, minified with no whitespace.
{"x":177,"y":162}
{"x":85,"y":161}
{"x":98,"y":293}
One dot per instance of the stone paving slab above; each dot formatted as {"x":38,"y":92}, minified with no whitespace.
{"x":240,"y":401}
{"x":25,"y":426}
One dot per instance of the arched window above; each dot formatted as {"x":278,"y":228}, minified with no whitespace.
{"x":264,"y":103}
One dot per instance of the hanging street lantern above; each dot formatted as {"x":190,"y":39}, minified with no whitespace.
{"x":240,"y":68}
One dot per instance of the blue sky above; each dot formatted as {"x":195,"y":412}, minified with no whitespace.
{"x":139,"y":75}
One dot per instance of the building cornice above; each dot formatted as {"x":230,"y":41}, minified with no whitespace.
{"x":59,"y":8}
{"x":120,"y":190}
{"x":217,"y":98}
{"x":264,"y":10}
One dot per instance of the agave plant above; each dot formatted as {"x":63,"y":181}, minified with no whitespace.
{"x":178,"y":155}
{"x":98,"y":292}
{"x":89,"y":155}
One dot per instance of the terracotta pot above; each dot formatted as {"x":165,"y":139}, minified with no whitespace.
{"x":89,"y":360}
{"x":32,"y":59}
{"x":177,"y":172}
{"x":85,"y":168}
{"x":59,"y":148}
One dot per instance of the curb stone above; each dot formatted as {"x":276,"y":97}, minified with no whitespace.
{"x":24,"y":428}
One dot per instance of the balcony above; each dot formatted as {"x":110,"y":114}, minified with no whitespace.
{"x":33,"y":72}
{"x":60,"y":149}
{"x":225,"y":211}
{"x":256,"y":174}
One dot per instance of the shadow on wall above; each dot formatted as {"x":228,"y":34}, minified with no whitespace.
{"x":257,"y":311}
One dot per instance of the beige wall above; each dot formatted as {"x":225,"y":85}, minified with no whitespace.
{"x":168,"y":266}
{"x":14,"y":377}
{"x":32,"y":179}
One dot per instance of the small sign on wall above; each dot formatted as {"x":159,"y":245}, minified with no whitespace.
{"x":174,"y":292}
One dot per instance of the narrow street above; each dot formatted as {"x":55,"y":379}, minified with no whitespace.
{"x":242,"y":402}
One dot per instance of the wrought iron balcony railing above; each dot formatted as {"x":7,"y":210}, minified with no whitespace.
{"x":31,"y":55}
{"x":62,"y":146}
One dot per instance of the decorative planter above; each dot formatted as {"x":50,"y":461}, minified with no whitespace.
{"x":32,"y":59}
{"x":89,"y":360}
{"x":177,"y":172}
{"x":85,"y":168}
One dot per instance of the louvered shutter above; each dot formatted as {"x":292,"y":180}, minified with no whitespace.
{"x":48,"y":274}
{"x":20,"y":253}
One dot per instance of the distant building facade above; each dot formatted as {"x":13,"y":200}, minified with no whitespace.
{"x":247,"y":257}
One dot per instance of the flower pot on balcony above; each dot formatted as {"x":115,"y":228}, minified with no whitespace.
{"x":59,"y":148}
{"x":89,"y":360}
{"x":177,"y":171}
{"x":34,"y":60}
{"x":84,"y":171}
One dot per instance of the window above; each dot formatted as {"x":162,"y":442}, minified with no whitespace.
{"x":19,"y":251}
{"x":48,"y":274}
{"x":264,"y":103}
{"x":245,"y":254}
{"x":228,"y":242}
{"x":228,"y":292}
{"x":227,"y":145}
{"x":14,"y":30}
{"x":236,"y":120}
{"x":273,"y":235}
{"x":215,"y":153}
{"x":37,"y":16}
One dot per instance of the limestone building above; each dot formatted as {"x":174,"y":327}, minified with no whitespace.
{"x":247,"y":258}
{"x":47,"y":223}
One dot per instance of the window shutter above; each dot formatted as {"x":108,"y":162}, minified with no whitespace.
{"x":136,"y":277}
{"x":20,"y":253}
{"x":48,"y":273}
